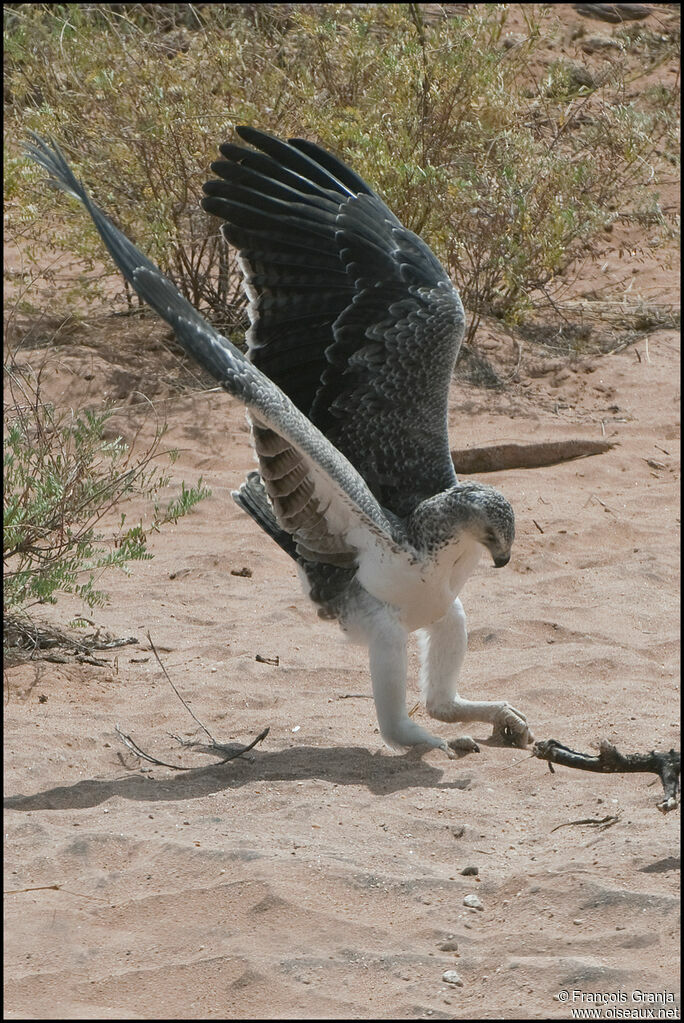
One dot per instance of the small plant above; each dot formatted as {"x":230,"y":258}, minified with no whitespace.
{"x":64,"y":477}
{"x":507,"y":169}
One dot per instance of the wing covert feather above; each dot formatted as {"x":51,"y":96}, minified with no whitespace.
{"x":351,"y":314}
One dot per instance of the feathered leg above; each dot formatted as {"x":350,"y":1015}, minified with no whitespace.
{"x":375,"y":625}
{"x":442,"y":647}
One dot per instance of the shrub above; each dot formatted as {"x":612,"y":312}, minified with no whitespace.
{"x":64,"y":476}
{"x":508,"y":168}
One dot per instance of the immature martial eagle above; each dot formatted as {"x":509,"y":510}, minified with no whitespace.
{"x":355,"y":329}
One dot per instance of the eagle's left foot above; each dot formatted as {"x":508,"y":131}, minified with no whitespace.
{"x":510,"y":725}
{"x":511,"y":728}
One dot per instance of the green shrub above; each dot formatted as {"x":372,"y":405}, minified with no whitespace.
{"x":507,"y":168}
{"x":64,"y":475}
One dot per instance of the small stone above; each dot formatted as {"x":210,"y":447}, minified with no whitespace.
{"x":593,"y":43}
{"x":470,"y":871}
{"x":472,"y":902}
{"x":450,"y":945}
{"x":451,"y":977}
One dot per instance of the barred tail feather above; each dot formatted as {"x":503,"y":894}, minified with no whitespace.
{"x":252,"y":498}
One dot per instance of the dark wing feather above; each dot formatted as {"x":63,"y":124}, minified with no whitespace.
{"x":351,"y":314}
{"x":317,"y":498}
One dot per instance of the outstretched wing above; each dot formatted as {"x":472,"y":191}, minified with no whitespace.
{"x":351,"y":314}
{"x":317,"y":495}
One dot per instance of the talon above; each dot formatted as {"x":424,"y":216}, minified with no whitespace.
{"x":512,"y":729}
{"x":464,"y":744}
{"x":520,"y":737}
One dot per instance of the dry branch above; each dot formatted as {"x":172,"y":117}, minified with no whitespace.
{"x":614,"y":13}
{"x":224,"y":751}
{"x":610,"y":761}
{"x":216,"y":749}
{"x":496,"y":457}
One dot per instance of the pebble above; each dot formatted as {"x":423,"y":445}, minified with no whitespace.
{"x":470,"y":871}
{"x":600,"y":42}
{"x":451,"y":977}
{"x":450,"y":945}
{"x":472,"y":902}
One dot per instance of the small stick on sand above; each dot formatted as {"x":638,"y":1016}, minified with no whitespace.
{"x":609,"y":761}
{"x":218,"y":749}
{"x":215,"y":748}
{"x":601,"y":822}
{"x":168,"y":679}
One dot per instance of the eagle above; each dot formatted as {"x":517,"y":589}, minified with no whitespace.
{"x":354,"y":332}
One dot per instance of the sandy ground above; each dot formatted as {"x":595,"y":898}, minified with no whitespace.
{"x":320,"y":876}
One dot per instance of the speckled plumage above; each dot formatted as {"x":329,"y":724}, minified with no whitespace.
{"x":355,"y":329}
{"x":364,"y":336}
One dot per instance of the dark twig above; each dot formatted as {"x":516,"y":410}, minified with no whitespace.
{"x":52,"y":888}
{"x":218,"y":749}
{"x":602,"y":822}
{"x":214,"y":748}
{"x":267,"y":660}
{"x":609,"y":761}
{"x":168,"y":678}
{"x":134,"y":748}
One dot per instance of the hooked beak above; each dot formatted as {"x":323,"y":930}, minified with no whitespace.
{"x":500,"y":562}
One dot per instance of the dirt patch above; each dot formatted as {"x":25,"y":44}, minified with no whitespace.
{"x":322,"y":875}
